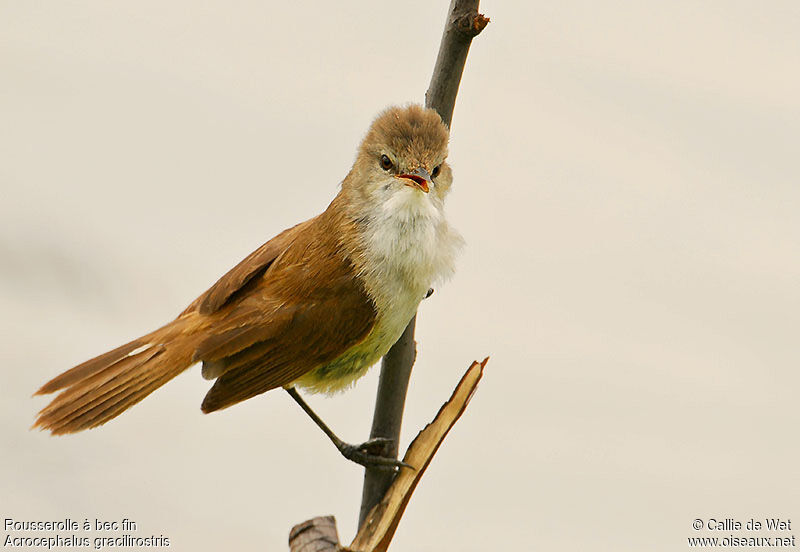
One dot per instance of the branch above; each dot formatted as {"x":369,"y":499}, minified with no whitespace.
{"x":463,"y":24}
{"x":388,"y":418}
{"x":378,"y":529}
{"x":319,"y":534}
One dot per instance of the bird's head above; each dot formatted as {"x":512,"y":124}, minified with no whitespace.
{"x":402,"y":157}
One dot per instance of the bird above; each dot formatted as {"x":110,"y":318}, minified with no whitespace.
{"x":313,"y":308}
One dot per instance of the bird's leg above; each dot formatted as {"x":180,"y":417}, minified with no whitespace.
{"x":368,"y":453}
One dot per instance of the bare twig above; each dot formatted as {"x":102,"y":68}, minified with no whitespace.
{"x":388,"y":418}
{"x":379,"y":527}
{"x":375,"y":534}
{"x":463,"y":23}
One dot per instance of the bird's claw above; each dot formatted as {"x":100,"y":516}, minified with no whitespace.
{"x":374,"y":452}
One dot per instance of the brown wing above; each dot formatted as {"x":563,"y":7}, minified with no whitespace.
{"x":239,"y":276}
{"x":304,"y":311}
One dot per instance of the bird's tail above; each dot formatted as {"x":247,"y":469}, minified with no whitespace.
{"x":104,"y":387}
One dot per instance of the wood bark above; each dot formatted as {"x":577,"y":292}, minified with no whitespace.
{"x":315,"y":535}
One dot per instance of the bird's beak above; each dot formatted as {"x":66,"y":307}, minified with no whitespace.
{"x":418,"y":178}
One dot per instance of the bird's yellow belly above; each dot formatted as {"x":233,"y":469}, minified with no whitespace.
{"x":342,"y":372}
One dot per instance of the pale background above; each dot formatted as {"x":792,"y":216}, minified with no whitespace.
{"x":627,"y":181}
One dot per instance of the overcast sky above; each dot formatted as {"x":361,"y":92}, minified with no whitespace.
{"x":627,"y":181}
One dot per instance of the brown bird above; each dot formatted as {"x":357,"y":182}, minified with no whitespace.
{"x":314,"y":307}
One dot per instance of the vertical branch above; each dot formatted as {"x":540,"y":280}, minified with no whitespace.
{"x":462,"y":25}
{"x":388,"y":418}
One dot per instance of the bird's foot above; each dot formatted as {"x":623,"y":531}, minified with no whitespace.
{"x":374,"y":452}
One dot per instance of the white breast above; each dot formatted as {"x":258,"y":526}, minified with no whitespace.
{"x":408,"y":246}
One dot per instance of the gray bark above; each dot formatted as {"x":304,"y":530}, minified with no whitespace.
{"x":315,"y":535}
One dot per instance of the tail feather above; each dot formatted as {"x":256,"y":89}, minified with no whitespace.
{"x":119,"y":401}
{"x":104,"y":387}
{"x":94,"y":390}
{"x":92,"y":366}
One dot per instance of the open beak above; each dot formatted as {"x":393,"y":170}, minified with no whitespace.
{"x":418,"y":178}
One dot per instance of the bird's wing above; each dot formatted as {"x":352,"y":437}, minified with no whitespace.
{"x":302,"y":313}
{"x":254,"y":264}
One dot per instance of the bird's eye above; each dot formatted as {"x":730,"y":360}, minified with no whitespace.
{"x":435,"y":172}
{"x":386,"y":163}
